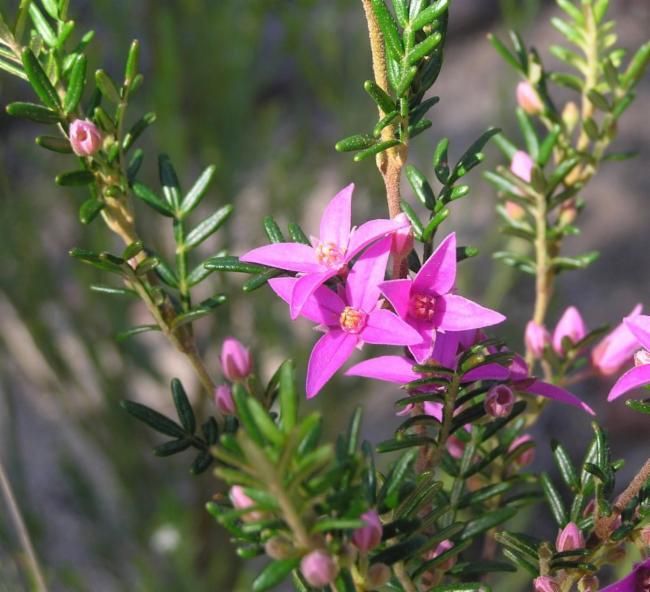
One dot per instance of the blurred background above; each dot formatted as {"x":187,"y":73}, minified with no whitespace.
{"x":263,"y":89}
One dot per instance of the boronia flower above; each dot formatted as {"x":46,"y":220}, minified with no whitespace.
{"x":637,"y":581}
{"x":536,"y":337}
{"x":638,"y":376}
{"x":235,"y":360}
{"x":350,"y":318}
{"x":499,"y":401}
{"x":545,"y":584}
{"x":569,"y":538}
{"x":572,"y":326}
{"x":428,"y":304}
{"x":522,"y":166}
{"x":329,"y":254}
{"x":85,"y":137}
{"x":528,"y":99}
{"x":617,"y":348}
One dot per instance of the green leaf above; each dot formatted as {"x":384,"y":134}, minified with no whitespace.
{"x":133,"y":331}
{"x":288,"y":397}
{"x":383,"y":123}
{"x":76,"y":84}
{"x":131,"y":69}
{"x":470,"y":157}
{"x":408,"y":75}
{"x":111,"y":290}
{"x":549,"y":143}
{"x":40,"y":81}
{"x":90,"y":209}
{"x":274,"y":573}
{"x":567,"y":80}
{"x":54,"y":144}
{"x":273,"y":230}
{"x":153,"y":419}
{"x":42,"y":25}
{"x":183,"y":406}
{"x":134,"y":165}
{"x":51,"y":8}
{"x":420,"y":111}
{"x":421,"y":126}
{"x":429,"y":14}
{"x":374,"y":150}
{"x":75,"y":178}
{"x":208,"y":227}
{"x":297,"y":234}
{"x":252,"y":430}
{"x":201,"y":463}
{"x":198,"y":191}
{"x":433,"y":224}
{"x":260,"y":280}
{"x":389,"y":29}
{"x":554,"y":501}
{"x":440,"y":161}
{"x":233,"y":264}
{"x":400,"y":551}
{"x":380,"y":96}
{"x":413,"y":218}
{"x":136,"y":131}
{"x":210,"y":429}
{"x":390,"y":490}
{"x":599,"y":100}
{"x":172,"y":447}
{"x":505,"y":53}
{"x":198,"y":312}
{"x":145,"y":194}
{"x":567,"y":470}
{"x":166,"y":273}
{"x":107,"y":87}
{"x":528,"y":131}
{"x":637,"y":67}
{"x":486,"y":522}
{"x":356,"y":142}
{"x":639,"y":406}
{"x":421,"y":187}
{"x":423,"y":49}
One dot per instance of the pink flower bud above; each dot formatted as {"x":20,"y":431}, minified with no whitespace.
{"x":443,"y":547}
{"x":514,"y":210}
{"x":537,"y":338}
{"x":617,"y":348}
{"x":223,"y":399}
{"x":235,"y":360}
{"x":368,"y":537}
{"x":455,"y":447}
{"x":545,"y":584}
{"x":528,"y":99}
{"x":318,"y":568}
{"x":85,"y":137}
{"x":522,"y":166}
{"x":378,"y":575}
{"x":525,"y":457}
{"x":570,"y":325}
{"x":499,"y":401}
{"x":402,"y":243}
{"x":241,"y":501}
{"x":569,"y":538}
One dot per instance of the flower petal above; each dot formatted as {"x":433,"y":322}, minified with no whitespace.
{"x":305,"y":287}
{"x":633,"y":378}
{"x":640,"y":327}
{"x":550,"y":391}
{"x":486,"y":372}
{"x":323,"y":308}
{"x":329,"y":354}
{"x":289,"y":256}
{"x":445,"y":349}
{"x":438,"y":274}
{"x":423,"y":351}
{"x":386,"y":328}
{"x":616,"y":348}
{"x":394,"y":369}
{"x":369,"y":232}
{"x":337,"y":219}
{"x":633,"y":581}
{"x":458,"y":314}
{"x":571,"y":325}
{"x":362,"y":286}
{"x":398,"y":293}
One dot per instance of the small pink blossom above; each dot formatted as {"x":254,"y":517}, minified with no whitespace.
{"x":572,"y":326}
{"x":537,"y":338}
{"x":639,"y":375}
{"x":455,"y":447}
{"x":223,"y":399}
{"x":637,"y":581}
{"x":617,"y":348}
{"x":443,"y":547}
{"x":318,"y":568}
{"x":403,"y":238}
{"x":85,"y":137}
{"x":368,"y":537}
{"x":522,"y":166}
{"x":499,"y":401}
{"x":528,"y":99}
{"x":525,"y":457}
{"x":545,"y":584}
{"x":236,"y":360}
{"x":569,"y":538}
{"x":241,"y":501}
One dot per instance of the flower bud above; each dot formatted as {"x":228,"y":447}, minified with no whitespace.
{"x":545,"y":584}
{"x":318,"y":568}
{"x":537,"y":338}
{"x":378,"y":575}
{"x":402,"y":243}
{"x":528,"y":99}
{"x":241,"y":501}
{"x":588,"y":583}
{"x":368,"y":537}
{"x":570,"y":325}
{"x":514,"y":210}
{"x":570,"y":116}
{"x":85,"y":137}
{"x":568,"y":213}
{"x":443,"y":547}
{"x":235,"y":360}
{"x":617,"y":348}
{"x":499,"y":401}
{"x":223,"y":399}
{"x":569,"y":538}
{"x":525,"y":457}
{"x":455,"y":447}
{"x":522,"y":166}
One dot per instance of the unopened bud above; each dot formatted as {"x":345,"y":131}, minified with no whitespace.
{"x":368,"y":537}
{"x":537,"y":338}
{"x":528,"y":99}
{"x":85,"y":137}
{"x":443,"y":547}
{"x":545,"y":584}
{"x":402,"y":243}
{"x":514,"y":210}
{"x":522,"y":166}
{"x":235,"y":360}
{"x":570,"y":116}
{"x":223,"y":399}
{"x":318,"y":568}
{"x":499,"y":401}
{"x":526,"y":457}
{"x":569,"y":538}
{"x":568,"y":213}
{"x":378,"y":575}
{"x":241,"y":501}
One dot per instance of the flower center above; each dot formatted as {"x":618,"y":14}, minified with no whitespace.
{"x":353,"y":320}
{"x":422,"y":307}
{"x":330,"y":255}
{"x":642,"y":357}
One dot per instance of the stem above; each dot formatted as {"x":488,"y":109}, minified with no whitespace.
{"x":21,"y":530}
{"x":447,"y":419}
{"x":404,"y":578}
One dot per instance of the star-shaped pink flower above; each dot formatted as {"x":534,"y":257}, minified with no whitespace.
{"x":329,"y":254}
{"x":350,"y":318}
{"x":639,"y":375}
{"x":428,"y":304}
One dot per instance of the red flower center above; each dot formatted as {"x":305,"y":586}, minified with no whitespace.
{"x":422,"y":306}
{"x":642,"y":357}
{"x":330,"y":255}
{"x":353,"y":320}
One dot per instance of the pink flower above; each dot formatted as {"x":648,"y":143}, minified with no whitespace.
{"x":223,"y":399}
{"x":241,"y":501}
{"x":617,"y":348}
{"x":402,"y":238}
{"x":329,"y":255}
{"x":235,"y":360}
{"x":85,"y":137}
{"x":545,"y":584}
{"x":526,"y":457}
{"x":368,"y":537}
{"x":455,"y":447}
{"x":318,"y":568}
{"x":522,"y":166}
{"x":537,"y":338}
{"x":443,"y":547}
{"x":499,"y":401}
{"x":640,"y":374}
{"x":528,"y":99}
{"x":350,"y":318}
{"x":428,"y":305}
{"x":570,"y":325}
{"x":637,"y":581}
{"x":569,"y":538}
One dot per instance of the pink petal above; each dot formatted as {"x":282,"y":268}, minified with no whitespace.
{"x":369,"y":232}
{"x":362,"y":287}
{"x":458,"y":314}
{"x":386,"y":328}
{"x":289,"y":256}
{"x":486,"y":372}
{"x":616,"y":348}
{"x":445,"y":349}
{"x":434,"y":409}
{"x":522,"y":165}
{"x":423,"y":351}
{"x":550,"y":391}
{"x":571,"y":325}
{"x":633,"y":581}
{"x":633,"y":378}
{"x":305,"y":287}
{"x":394,"y":369}
{"x":323,"y":308}
{"x":329,"y":354}
{"x":438,"y":274}
{"x":337,"y":219}
{"x":398,"y":293}
{"x":640,"y":327}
